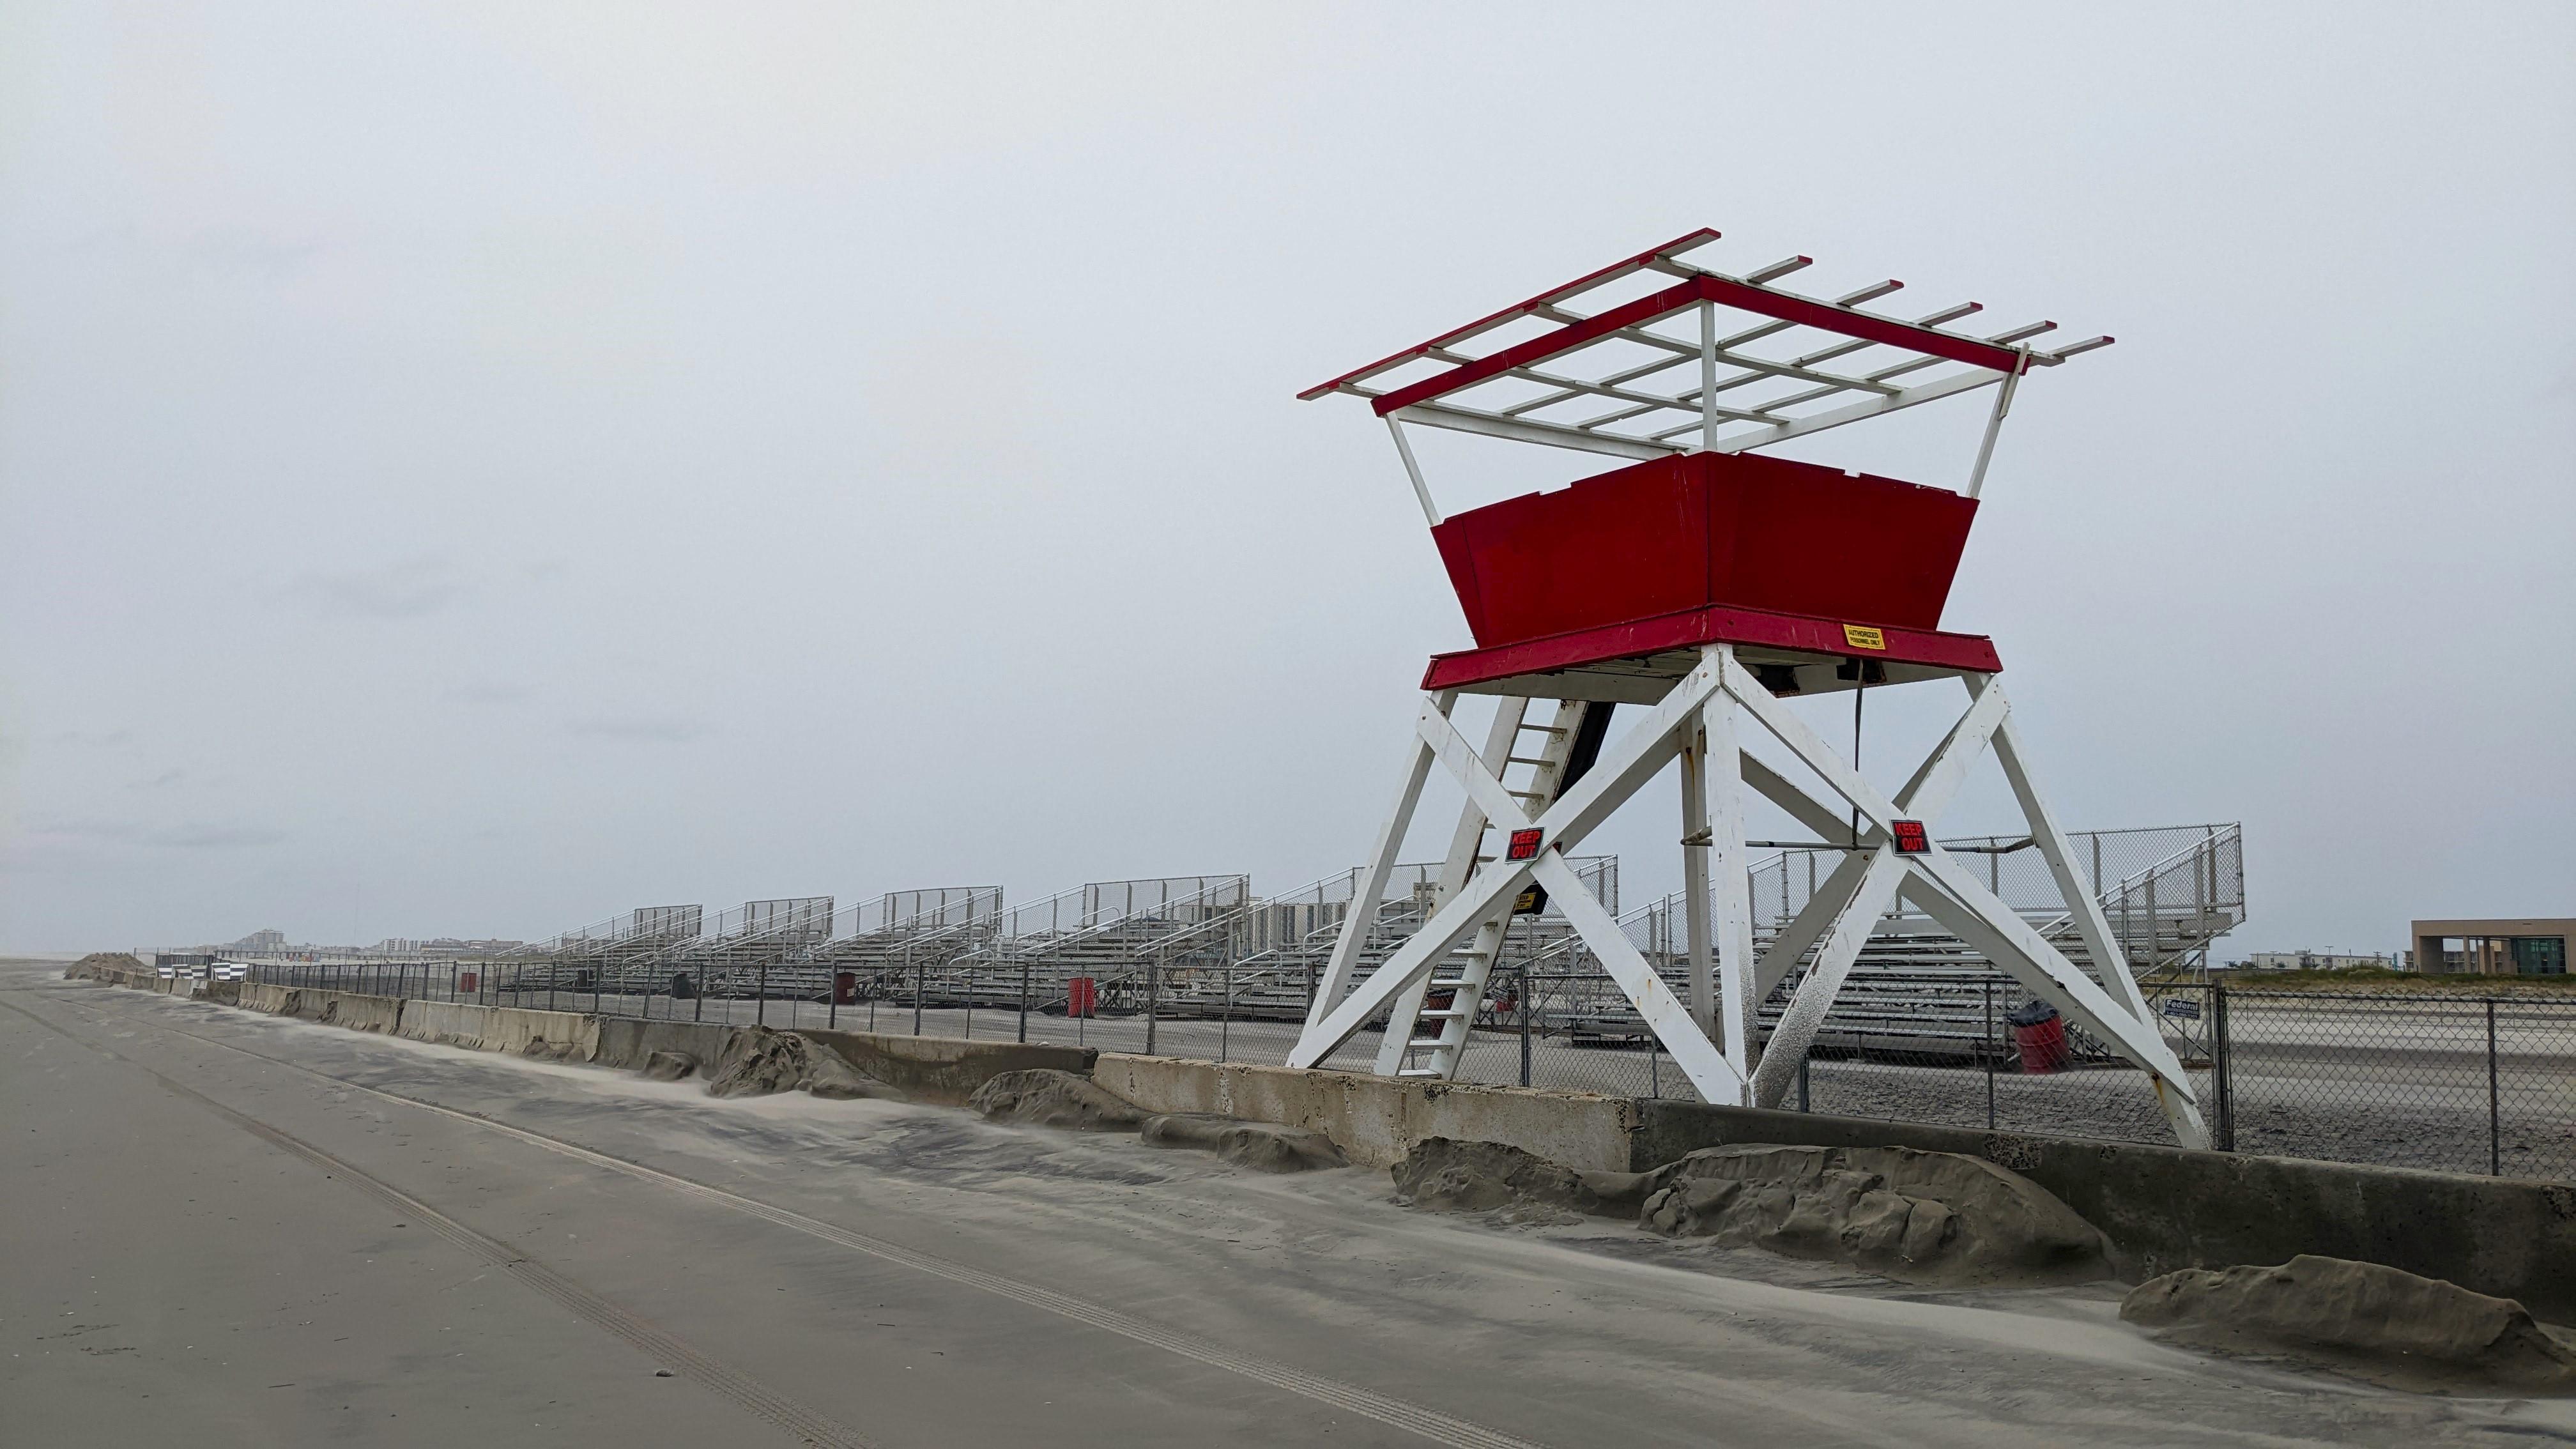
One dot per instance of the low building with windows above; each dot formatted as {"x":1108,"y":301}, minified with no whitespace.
{"x":2314,"y":961}
{"x":2496,"y":947}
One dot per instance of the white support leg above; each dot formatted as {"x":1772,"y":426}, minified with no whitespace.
{"x":2028,"y":958}
{"x":1510,"y":714}
{"x":1664,"y":1013}
{"x":1695,"y":926}
{"x":1955,"y":897}
{"x":1454,"y":870}
{"x":1452,"y":923}
{"x":1731,"y":874}
{"x":1621,"y":771}
{"x":1805,"y":1015}
{"x":2082,"y":895}
{"x":1698,"y":721}
{"x":1928,"y":792}
{"x":1370,"y":890}
{"x":1811,"y":923}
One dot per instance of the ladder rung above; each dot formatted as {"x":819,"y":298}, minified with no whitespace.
{"x":1548,"y":729}
{"x":1527,"y":794}
{"x":1446,"y":1013}
{"x":1524,"y":760}
{"x":1418,"y":1072}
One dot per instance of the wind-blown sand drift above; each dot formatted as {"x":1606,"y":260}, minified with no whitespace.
{"x":2373,"y":1321}
{"x":1926,"y":1217}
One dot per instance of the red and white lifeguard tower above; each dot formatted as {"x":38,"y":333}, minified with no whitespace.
{"x":1705,"y":582}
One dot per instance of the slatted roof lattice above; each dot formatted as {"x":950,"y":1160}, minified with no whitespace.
{"x":1656,"y":355}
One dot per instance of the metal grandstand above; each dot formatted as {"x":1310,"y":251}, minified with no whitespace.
{"x":1918,"y":988}
{"x":1210,"y":946}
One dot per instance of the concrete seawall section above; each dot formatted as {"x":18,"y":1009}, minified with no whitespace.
{"x":2163,"y":1208}
{"x":499,"y":1028}
{"x":1376,"y":1120}
{"x":946,"y":1069}
{"x":625,"y":1042}
{"x":347,"y":1008}
{"x":2166,"y":1208}
{"x":261,"y":996}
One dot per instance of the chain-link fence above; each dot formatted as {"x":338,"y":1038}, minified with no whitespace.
{"x":2417,"y":1079}
{"x":2462,"y":1083}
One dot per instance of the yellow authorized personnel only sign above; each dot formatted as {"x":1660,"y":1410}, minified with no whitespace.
{"x":1861,"y":636}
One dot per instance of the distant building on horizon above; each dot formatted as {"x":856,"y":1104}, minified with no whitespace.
{"x":2497,"y":946}
{"x":444,"y":946}
{"x":2317,"y":961}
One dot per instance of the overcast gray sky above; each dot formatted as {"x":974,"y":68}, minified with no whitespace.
{"x":473,"y":469}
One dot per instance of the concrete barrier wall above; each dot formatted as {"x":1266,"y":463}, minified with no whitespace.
{"x":945,"y":1069}
{"x":513,"y":1028}
{"x":626,"y":1042}
{"x":349,"y":1009}
{"x":1376,"y":1120}
{"x":262,"y":996}
{"x":2166,"y":1208}
{"x":450,"y":1023}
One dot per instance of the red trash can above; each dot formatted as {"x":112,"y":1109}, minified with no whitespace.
{"x":845,"y":988}
{"x":467,"y":982}
{"x":2040,"y":1036}
{"x":1082,"y":996}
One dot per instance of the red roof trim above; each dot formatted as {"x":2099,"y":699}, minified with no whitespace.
{"x":1827,"y":317}
{"x":1572,"y":335}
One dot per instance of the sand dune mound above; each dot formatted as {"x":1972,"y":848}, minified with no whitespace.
{"x":1452,"y":1176}
{"x":1919,"y":1216}
{"x":758,"y":1062}
{"x":1264,"y":1146}
{"x":1046,"y":1097}
{"x":2367,"y":1319}
{"x":669,"y":1066}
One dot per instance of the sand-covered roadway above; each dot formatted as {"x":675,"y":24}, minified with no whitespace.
{"x":222,"y":1228}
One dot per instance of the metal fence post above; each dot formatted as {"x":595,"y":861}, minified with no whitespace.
{"x":1526,"y":1003}
{"x":1989,"y":1054}
{"x":2495,"y":1102}
{"x":1225,"y":1022}
{"x":1805,"y":1099}
{"x":1024,"y":998}
{"x":2222,"y":1070}
{"x":1153,"y":998}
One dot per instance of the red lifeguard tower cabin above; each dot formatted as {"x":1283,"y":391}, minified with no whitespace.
{"x":1705,"y":580}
